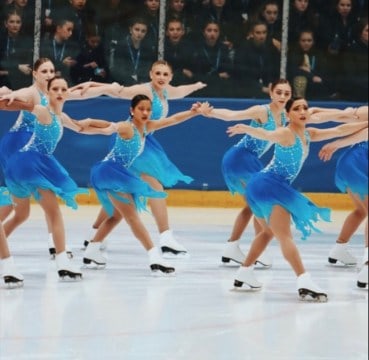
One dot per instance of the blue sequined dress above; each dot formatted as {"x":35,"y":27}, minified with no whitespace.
{"x":5,"y":198}
{"x":34,"y":167}
{"x":243,"y":159}
{"x":153,"y":161}
{"x":114,"y":176}
{"x":352,"y":170}
{"x":272,"y":186}
{"x":19,"y":134}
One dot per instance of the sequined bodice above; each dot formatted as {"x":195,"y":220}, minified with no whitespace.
{"x":256,"y":146}
{"x":160,"y":107}
{"x":288,"y":160}
{"x":45,"y":137}
{"x":125,"y":151}
{"x":26,"y":119}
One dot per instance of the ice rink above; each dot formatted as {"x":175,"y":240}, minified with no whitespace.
{"x":123,"y":312}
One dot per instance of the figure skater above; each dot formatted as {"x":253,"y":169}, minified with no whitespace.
{"x":351,"y":177}
{"x":118,"y":187}
{"x":274,"y":201}
{"x":34,"y":171}
{"x":243,"y":159}
{"x":20,"y":133}
{"x":153,"y":164}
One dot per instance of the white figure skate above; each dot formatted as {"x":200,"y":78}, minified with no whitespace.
{"x":12,"y":277}
{"x":103,"y":244}
{"x":94,"y":256}
{"x":233,"y":253}
{"x":308,"y":290}
{"x":170,"y":246}
{"x":158,"y":265}
{"x":362,"y":278}
{"x":65,"y":267}
{"x":340,"y":253}
{"x":245,"y":276}
{"x":52,"y":250}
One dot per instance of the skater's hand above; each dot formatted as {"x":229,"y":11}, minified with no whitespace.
{"x":326,"y":152}
{"x":205,"y":109}
{"x":200,"y":85}
{"x":237,"y":129}
{"x":7,"y":98}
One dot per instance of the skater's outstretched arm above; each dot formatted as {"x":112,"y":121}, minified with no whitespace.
{"x":177,"y":118}
{"x":337,"y":131}
{"x":15,"y":105}
{"x":181,"y":91}
{"x":329,"y":149}
{"x":257,"y":112}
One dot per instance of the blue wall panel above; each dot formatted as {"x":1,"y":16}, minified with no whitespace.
{"x":196,"y":146}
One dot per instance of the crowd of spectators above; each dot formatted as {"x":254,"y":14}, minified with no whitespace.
{"x":232,"y":45}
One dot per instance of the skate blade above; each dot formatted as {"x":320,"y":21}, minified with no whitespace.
{"x":337,"y":263}
{"x":177,"y":255}
{"x":242,"y":286}
{"x":65,"y":275}
{"x":310,"y":296}
{"x":362,"y":285}
{"x":261,"y":266}
{"x":166,"y":249}
{"x":91,"y":264}
{"x":230,"y":262}
{"x":12,"y":282}
{"x":160,"y":270}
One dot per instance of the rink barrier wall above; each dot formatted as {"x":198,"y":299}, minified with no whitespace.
{"x":224,"y":199}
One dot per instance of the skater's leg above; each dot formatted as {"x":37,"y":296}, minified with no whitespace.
{"x":9,"y":272}
{"x":339,"y":252}
{"x":245,"y":273}
{"x":101,"y":217}
{"x":259,"y":244}
{"x":362,"y":278}
{"x":129,"y":212}
{"x":159,"y":209}
{"x":240,"y":224}
{"x":50,"y":205}
{"x":280,"y":224}
{"x":353,"y":220}
{"x":5,"y":211}
{"x":107,"y":226}
{"x":4,"y":248}
{"x":20,"y":215}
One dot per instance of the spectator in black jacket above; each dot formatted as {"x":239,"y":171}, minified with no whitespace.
{"x":256,"y":63}
{"x":212,"y":63}
{"x":133,"y":55}
{"x":177,"y":52}
{"x":61,"y":49}
{"x":91,"y":64}
{"x":308,"y":68}
{"x":355,"y":82}
{"x":15,"y":54}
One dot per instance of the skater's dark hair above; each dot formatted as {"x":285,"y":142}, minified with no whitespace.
{"x":279,"y":82}
{"x":291,"y":101}
{"x":53,"y":79}
{"x":136,"y":99}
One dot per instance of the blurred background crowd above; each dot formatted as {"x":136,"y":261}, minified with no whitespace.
{"x":232,"y":45}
